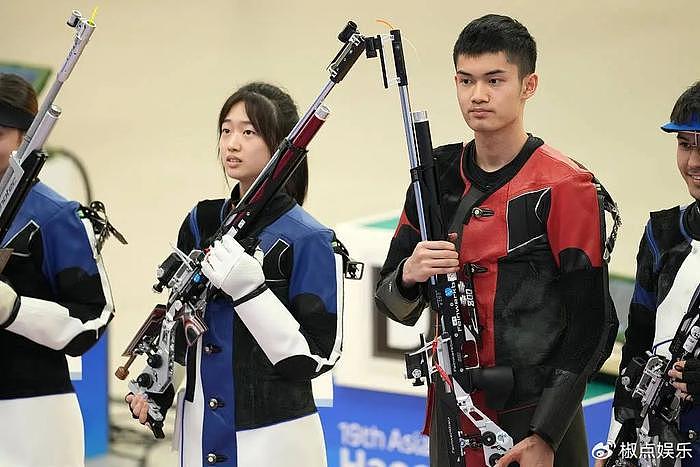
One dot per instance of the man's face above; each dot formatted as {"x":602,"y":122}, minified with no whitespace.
{"x":10,"y":139}
{"x":491,"y":95}
{"x":688,"y":156}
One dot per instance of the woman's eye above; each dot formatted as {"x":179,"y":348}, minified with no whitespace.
{"x":248,"y":132}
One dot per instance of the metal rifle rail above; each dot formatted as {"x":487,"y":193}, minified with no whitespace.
{"x":26,"y":162}
{"x":181,"y":273}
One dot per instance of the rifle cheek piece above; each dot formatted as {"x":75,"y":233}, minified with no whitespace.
{"x":496,"y":382}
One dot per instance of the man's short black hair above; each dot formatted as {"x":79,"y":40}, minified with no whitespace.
{"x":687,"y":105}
{"x":494,"y":34}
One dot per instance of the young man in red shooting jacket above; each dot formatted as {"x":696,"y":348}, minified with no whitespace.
{"x":535,"y":241}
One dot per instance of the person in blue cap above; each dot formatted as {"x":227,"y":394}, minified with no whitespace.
{"x":667,"y":279}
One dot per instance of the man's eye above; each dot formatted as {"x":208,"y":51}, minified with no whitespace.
{"x":684,"y":146}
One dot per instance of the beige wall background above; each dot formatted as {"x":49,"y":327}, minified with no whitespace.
{"x":141,"y":106}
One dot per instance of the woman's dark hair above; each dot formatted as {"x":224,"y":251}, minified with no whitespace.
{"x":17,"y":102}
{"x":273,"y":115}
{"x":17,"y":92}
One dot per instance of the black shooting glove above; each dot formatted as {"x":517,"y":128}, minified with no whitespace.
{"x":690,"y":375}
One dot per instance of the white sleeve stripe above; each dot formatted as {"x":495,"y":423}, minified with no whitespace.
{"x":278,"y":333}
{"x":275,"y":329}
{"x":106,"y":288}
{"x":50,"y":324}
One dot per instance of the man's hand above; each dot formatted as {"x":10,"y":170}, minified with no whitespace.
{"x":533,"y":451}
{"x":687,"y":378}
{"x":428,"y":259}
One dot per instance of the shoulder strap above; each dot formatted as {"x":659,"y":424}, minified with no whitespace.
{"x":204,"y":220}
{"x":607,"y":204}
{"x":97,"y":215}
{"x":469,"y":201}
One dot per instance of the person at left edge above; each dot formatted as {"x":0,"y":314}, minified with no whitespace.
{"x":55,"y":300}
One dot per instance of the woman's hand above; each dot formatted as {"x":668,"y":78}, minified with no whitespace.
{"x":231,"y":269}
{"x":138,"y":404}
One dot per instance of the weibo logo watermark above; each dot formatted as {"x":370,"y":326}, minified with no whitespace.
{"x":646,"y":451}
{"x":602,"y":450}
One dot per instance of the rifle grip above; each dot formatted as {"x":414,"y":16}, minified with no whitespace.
{"x":156,"y":428}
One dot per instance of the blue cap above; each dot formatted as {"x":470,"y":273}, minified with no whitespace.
{"x":692,"y":125}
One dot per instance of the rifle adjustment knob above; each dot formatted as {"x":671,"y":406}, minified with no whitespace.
{"x":493,"y":460}
{"x":488,"y":438}
{"x":145,"y":380}
{"x":347,"y":32}
{"x":155,"y":361}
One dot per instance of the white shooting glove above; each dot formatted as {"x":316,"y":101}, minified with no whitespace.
{"x":8,"y":302}
{"x":240,"y":275}
{"x":231,"y":269}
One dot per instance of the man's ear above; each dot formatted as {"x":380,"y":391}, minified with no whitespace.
{"x":529,"y":85}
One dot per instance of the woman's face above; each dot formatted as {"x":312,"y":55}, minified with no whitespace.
{"x":242,"y":149}
{"x":10,"y":139}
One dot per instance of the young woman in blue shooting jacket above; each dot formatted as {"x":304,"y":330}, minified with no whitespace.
{"x":55,"y":301}
{"x":277,"y":321}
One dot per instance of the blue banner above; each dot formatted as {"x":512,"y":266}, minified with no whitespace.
{"x":378,"y":429}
